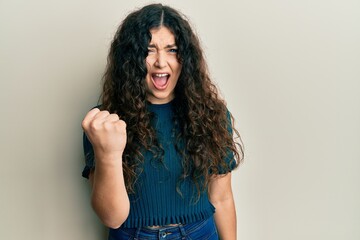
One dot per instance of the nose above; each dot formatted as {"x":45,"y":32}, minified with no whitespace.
{"x":160,"y":60}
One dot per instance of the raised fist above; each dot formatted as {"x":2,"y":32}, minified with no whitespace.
{"x":106,"y":132}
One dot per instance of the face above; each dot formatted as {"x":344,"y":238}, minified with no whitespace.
{"x":163,"y":67}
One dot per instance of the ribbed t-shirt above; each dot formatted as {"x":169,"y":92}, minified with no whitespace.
{"x":156,"y":200}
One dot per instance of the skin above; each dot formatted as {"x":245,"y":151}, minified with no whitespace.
{"x":221,"y":196}
{"x":107,"y":133}
{"x":162,"y":58}
{"x":109,"y":198}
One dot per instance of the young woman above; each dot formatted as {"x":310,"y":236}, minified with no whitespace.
{"x":159,"y":149}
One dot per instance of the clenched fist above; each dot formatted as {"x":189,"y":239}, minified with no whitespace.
{"x":106,"y":132}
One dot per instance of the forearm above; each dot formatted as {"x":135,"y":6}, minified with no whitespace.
{"x":225,"y":219}
{"x":109,"y":197}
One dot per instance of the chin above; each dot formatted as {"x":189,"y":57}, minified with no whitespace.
{"x":160,"y":98}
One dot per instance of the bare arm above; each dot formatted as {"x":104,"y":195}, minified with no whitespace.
{"x":221,"y":196}
{"x":109,"y":198}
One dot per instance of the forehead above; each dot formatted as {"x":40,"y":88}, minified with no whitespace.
{"x":162,"y":36}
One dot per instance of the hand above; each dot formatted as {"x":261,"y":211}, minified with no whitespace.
{"x":106,"y":132}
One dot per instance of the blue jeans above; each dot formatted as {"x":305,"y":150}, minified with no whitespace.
{"x":201,"y":230}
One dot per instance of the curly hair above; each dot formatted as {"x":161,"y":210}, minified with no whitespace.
{"x":201,"y":115}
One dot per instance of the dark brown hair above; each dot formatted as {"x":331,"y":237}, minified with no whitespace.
{"x":202,"y":117}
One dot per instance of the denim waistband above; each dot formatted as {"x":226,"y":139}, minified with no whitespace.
{"x":181,"y":231}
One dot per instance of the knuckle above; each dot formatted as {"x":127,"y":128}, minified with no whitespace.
{"x":121,"y":126}
{"x":122,"y":123}
{"x":108,"y":126}
{"x":84,"y":124}
{"x":114,"y":115}
{"x":93,"y":126}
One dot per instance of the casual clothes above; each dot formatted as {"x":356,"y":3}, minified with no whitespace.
{"x":203,"y":229}
{"x":157,"y":201}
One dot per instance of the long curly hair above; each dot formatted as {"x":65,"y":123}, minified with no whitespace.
{"x":201,"y":115}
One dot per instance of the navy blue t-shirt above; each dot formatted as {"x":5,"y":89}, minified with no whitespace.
{"x":157,"y":201}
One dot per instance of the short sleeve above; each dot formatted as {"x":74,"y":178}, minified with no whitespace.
{"x":89,"y":157}
{"x":229,"y":159}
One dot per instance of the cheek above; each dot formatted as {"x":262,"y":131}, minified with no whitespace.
{"x":148,"y":77}
{"x":178,"y":69}
{"x":149,"y":62}
{"x":175,"y":65}
{"x":147,"y":83}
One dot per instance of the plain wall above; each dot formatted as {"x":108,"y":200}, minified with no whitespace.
{"x":289,"y":70}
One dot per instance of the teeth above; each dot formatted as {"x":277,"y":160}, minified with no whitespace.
{"x":161,"y":74}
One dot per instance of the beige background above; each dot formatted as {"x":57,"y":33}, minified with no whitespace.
{"x":290,"y":71}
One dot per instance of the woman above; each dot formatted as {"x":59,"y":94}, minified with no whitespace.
{"x":162,"y":139}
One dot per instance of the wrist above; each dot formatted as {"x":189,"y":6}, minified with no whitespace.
{"x":105,"y":154}
{"x":108,"y":166}
{"x":113,"y":158}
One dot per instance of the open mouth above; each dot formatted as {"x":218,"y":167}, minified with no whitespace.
{"x":160,"y":80}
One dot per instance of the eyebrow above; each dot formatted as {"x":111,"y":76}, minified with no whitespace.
{"x":167,"y":46}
